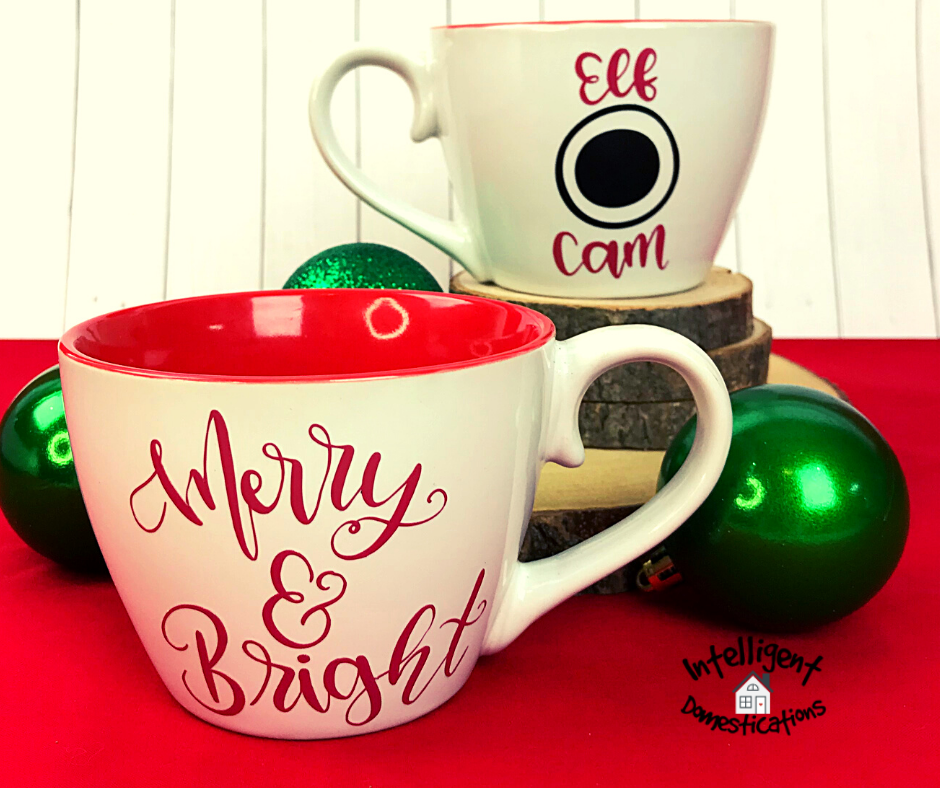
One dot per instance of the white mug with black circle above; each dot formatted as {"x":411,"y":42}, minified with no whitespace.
{"x":588,"y":159}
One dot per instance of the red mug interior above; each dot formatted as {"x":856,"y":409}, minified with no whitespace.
{"x":289,"y":335}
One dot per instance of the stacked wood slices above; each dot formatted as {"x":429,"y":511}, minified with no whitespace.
{"x":630,"y":414}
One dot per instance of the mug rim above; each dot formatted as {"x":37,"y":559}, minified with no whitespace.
{"x":612,"y":22}
{"x":545,"y":332}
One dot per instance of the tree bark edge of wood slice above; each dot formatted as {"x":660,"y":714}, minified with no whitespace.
{"x":742,"y":365}
{"x":716,"y":313}
{"x":653,"y":425}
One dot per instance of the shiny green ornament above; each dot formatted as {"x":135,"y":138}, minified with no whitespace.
{"x":808,"y":519}
{"x":363,"y":265}
{"x":39,"y":492}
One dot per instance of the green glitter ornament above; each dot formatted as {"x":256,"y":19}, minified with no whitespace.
{"x":363,"y":265}
{"x":39,"y":492}
{"x":807,"y":521}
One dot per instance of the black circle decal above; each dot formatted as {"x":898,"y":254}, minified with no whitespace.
{"x":617,"y":167}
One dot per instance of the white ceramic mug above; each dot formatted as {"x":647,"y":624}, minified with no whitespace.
{"x":588,"y":159}
{"x":311,"y":502}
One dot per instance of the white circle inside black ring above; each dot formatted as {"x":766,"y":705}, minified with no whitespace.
{"x":559,"y":167}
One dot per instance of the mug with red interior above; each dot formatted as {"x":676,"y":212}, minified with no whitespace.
{"x":311,"y":502}
{"x":588,"y":159}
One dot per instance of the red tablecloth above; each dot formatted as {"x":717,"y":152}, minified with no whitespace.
{"x":592,"y":694}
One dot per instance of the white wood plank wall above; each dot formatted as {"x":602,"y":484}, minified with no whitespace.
{"x":160,"y":149}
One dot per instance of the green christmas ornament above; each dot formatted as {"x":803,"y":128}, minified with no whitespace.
{"x":364,"y":265}
{"x":39,"y":492}
{"x":806,"y":523}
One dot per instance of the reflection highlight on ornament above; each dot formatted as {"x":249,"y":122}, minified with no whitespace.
{"x":817,"y":487}
{"x":59,"y":450}
{"x":403,"y":318}
{"x":48,"y":411}
{"x":756,"y":496}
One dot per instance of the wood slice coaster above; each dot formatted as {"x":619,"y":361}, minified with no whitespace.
{"x":573,"y":504}
{"x":611,"y":424}
{"x":742,"y":365}
{"x":714,"y":314}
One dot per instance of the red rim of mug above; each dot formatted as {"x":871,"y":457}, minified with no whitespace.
{"x":606,"y":22}
{"x":538,"y":331}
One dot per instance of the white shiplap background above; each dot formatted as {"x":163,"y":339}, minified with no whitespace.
{"x":160,"y":148}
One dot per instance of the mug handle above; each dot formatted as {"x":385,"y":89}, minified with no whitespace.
{"x":534,"y":588}
{"x":451,"y":237}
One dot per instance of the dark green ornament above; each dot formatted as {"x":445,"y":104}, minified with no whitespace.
{"x":808,"y":519}
{"x":39,"y":492}
{"x":363,"y":265}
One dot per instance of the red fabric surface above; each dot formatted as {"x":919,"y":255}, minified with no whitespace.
{"x":590,"y":695}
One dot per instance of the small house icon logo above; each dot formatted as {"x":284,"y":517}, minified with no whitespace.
{"x":752,"y":696}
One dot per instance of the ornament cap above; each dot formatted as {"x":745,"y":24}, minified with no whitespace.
{"x":657,"y":572}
